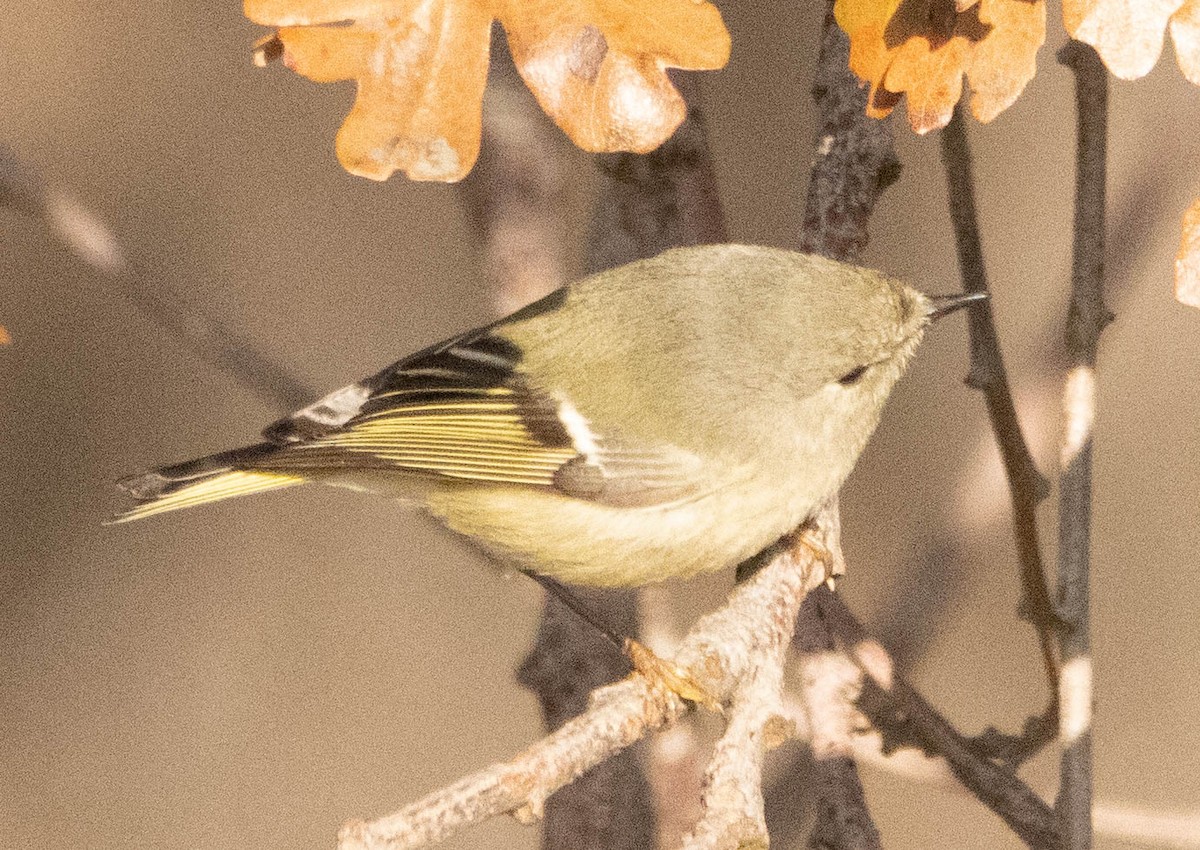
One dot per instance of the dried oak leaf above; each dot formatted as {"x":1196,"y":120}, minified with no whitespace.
{"x":1128,"y":34}
{"x":598,"y":68}
{"x":1187,"y":264}
{"x":922,"y":48}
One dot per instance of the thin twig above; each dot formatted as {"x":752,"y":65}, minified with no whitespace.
{"x":1027,"y":486}
{"x":619,"y":715}
{"x":1086,"y":318}
{"x":1142,"y":825}
{"x":515,"y":194}
{"x":86,"y":236}
{"x":902,"y":714}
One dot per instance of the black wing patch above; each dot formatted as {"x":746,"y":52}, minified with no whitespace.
{"x":463,"y":410}
{"x":460,"y":409}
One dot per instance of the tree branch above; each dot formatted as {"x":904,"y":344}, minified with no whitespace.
{"x":843,"y":820}
{"x":736,"y":653}
{"x":1086,"y":318}
{"x":854,"y":163}
{"x":1027,"y":486}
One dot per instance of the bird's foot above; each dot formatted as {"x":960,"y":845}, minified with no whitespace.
{"x":662,"y":673}
{"x":832,"y":569}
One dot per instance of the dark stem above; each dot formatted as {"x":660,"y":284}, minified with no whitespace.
{"x":569,"y":598}
{"x":905,"y":718}
{"x":646,"y":204}
{"x":1086,"y":318}
{"x":854,"y":159}
{"x":1027,"y":486}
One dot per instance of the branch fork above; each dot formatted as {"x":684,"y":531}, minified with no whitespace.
{"x":737,"y":653}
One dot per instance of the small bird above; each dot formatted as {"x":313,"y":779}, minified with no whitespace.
{"x":672,"y":416}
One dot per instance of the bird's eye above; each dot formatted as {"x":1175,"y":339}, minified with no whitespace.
{"x":853,"y":376}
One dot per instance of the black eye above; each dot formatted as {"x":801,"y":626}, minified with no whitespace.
{"x":853,"y":376}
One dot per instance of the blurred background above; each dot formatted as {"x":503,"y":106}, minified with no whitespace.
{"x":258,"y":672}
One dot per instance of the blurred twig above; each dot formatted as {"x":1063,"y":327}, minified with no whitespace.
{"x":515,"y":194}
{"x":1086,"y":318}
{"x":89,"y":239}
{"x":651,"y":202}
{"x":1027,"y":486}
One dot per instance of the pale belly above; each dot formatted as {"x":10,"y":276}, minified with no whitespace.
{"x":592,"y":544}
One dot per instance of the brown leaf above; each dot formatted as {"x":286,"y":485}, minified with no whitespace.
{"x":1185,"y":32}
{"x":1006,"y":60}
{"x":598,"y":67}
{"x":922,"y":49}
{"x":1187,"y":263}
{"x":1128,"y":34}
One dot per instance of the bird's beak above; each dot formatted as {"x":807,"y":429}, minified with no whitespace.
{"x":943,"y":305}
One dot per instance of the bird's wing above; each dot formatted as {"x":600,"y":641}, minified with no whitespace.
{"x":464,"y":410}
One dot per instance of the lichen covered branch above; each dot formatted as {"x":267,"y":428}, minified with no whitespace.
{"x":620,"y":714}
{"x":736,"y":653}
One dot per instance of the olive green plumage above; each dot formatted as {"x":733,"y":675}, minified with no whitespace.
{"x":670,"y":416}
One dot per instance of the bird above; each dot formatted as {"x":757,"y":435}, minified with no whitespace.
{"x":672,"y":416}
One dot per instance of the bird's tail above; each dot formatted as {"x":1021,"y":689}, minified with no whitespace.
{"x":198,"y":482}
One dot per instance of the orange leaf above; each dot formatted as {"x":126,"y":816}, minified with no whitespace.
{"x":1006,"y":59}
{"x":922,"y":49}
{"x":1185,"y":31}
{"x":5,"y":337}
{"x":598,"y":67}
{"x":1128,"y":34}
{"x":1187,"y":263}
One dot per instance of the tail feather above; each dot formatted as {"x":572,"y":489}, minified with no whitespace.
{"x":198,"y":482}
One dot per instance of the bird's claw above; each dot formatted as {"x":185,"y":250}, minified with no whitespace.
{"x":659,"y":672}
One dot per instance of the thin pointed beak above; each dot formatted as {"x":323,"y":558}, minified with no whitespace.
{"x":943,"y":305}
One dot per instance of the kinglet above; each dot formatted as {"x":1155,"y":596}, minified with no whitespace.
{"x":671,"y":416}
